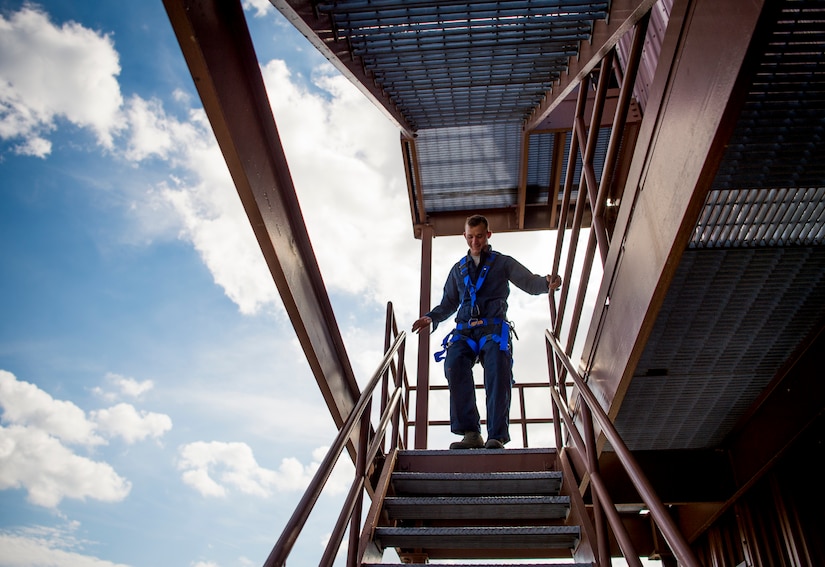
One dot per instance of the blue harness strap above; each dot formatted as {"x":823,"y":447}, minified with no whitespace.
{"x":502,"y":338}
{"x":470,"y":290}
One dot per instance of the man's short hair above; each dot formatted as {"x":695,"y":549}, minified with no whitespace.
{"x":476,"y":220}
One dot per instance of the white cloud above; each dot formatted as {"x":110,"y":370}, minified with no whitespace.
{"x":124,"y":421}
{"x":46,"y":547}
{"x":151,"y":132}
{"x":27,"y":405}
{"x":38,"y":462}
{"x":129,"y":386}
{"x":203,"y":200}
{"x":33,"y":436}
{"x":345,"y":159}
{"x":215,"y":223}
{"x":260,"y":7}
{"x":355,"y":205}
{"x":213,"y":468}
{"x":49,"y":73}
{"x":124,"y":386}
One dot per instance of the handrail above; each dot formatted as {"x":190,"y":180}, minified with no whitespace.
{"x":279,"y":553}
{"x":619,"y":529}
{"x":674,"y":538}
{"x":352,"y":504}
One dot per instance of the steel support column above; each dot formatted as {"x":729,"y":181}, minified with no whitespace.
{"x":215,"y":41}
{"x":422,"y":384}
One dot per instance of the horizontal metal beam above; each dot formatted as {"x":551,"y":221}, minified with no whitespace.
{"x":536,"y":217}
{"x":215,"y":41}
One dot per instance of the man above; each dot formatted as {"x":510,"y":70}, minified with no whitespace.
{"x":477,"y":288}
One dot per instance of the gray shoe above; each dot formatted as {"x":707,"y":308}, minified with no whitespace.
{"x":472,"y":440}
{"x":493,"y":444}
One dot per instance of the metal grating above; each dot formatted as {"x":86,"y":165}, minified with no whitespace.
{"x":471,"y":161}
{"x":749,"y":289}
{"x":762,"y":217}
{"x":707,"y":361}
{"x":452,"y":63}
{"x":779,"y":139}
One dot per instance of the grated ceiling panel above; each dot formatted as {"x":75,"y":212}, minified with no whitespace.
{"x":779,"y":139}
{"x":455,"y":63}
{"x":729,"y":321}
{"x":761,"y":217}
{"x":472,"y":162}
{"x":751,"y":286}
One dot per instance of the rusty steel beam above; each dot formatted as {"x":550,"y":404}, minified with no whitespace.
{"x":623,"y":16}
{"x":696,"y":97}
{"x":536,"y":217}
{"x":215,"y":41}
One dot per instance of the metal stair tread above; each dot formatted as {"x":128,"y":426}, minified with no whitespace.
{"x":480,"y":537}
{"x":478,"y":564}
{"x":515,"y":483}
{"x":465,"y":452}
{"x":471,"y":507}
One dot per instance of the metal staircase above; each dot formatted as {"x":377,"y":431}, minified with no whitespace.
{"x":472,"y":505}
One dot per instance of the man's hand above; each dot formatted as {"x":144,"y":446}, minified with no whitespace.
{"x":422,"y":323}
{"x":553,"y":282}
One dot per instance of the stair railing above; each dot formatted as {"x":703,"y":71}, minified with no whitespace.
{"x":673,"y":537}
{"x":576,"y":446}
{"x":368,"y":446}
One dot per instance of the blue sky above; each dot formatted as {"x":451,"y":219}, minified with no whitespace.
{"x":157,"y":409}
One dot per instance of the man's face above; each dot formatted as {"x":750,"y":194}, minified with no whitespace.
{"x":476,"y":238}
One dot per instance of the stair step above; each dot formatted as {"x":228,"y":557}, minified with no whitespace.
{"x":478,"y":564}
{"x":446,"y":460}
{"x":477,"y":507}
{"x":440,"y":483}
{"x":480,"y":538}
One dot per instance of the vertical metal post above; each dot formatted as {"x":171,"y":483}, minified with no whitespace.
{"x":388,"y":337}
{"x":599,"y":519}
{"x":551,"y":367}
{"x":360,"y":473}
{"x":422,"y":385}
{"x":396,"y":415}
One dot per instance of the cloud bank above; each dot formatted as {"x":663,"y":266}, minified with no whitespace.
{"x":74,"y":79}
{"x":38,"y":435}
{"x":214,"y":468}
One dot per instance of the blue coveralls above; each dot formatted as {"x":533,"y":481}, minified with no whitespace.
{"x":495,"y":354}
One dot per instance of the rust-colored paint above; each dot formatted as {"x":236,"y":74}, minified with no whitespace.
{"x":695,"y":100}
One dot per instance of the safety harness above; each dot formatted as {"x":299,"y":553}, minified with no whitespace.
{"x":470,"y":291}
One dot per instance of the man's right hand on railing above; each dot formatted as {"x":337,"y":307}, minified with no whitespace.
{"x":422,"y":323}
